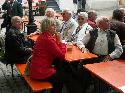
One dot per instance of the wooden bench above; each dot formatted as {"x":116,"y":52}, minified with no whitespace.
{"x":35,"y":85}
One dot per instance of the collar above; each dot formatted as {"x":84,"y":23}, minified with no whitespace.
{"x":102,"y":31}
{"x":84,"y":24}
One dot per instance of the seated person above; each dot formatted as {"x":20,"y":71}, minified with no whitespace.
{"x":92,"y":15}
{"x":68,"y":26}
{"x":83,"y":26}
{"x":117,"y":24}
{"x":16,"y":50}
{"x":101,"y":41}
{"x":50,"y":13}
{"x":47,"y":49}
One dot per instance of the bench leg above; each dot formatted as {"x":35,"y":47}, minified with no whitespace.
{"x":12,"y":69}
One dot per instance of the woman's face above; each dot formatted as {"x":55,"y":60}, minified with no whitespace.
{"x":52,"y":29}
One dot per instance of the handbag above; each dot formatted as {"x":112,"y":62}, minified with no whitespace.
{"x":26,"y":71}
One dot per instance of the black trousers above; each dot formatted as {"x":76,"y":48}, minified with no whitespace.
{"x":64,"y":76}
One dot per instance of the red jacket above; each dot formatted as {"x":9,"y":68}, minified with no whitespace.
{"x":46,"y":49}
{"x":92,"y":23}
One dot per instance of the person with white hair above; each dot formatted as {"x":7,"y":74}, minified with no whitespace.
{"x":49,"y":13}
{"x":101,"y":41}
{"x":69,"y":25}
{"x":105,"y":44}
{"x":83,"y":27}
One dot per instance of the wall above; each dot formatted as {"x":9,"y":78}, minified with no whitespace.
{"x":66,"y":4}
{"x":102,"y":4}
{"x":91,"y":4}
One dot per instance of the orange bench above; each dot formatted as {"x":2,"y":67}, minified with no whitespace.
{"x":35,"y":85}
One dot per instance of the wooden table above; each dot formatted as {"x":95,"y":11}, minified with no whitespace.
{"x":113,"y":73}
{"x":75,"y":54}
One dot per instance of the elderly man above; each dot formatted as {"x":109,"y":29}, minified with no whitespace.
{"x":16,"y":50}
{"x":69,"y":25}
{"x":50,"y":13}
{"x":101,"y":41}
{"x":83,"y":27}
{"x":92,"y":15}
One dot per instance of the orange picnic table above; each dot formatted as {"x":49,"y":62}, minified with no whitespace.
{"x":112,"y":72}
{"x":75,"y":54}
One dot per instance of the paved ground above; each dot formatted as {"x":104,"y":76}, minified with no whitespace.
{"x":17,"y":84}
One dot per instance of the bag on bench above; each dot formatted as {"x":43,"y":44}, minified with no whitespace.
{"x":26,"y":72}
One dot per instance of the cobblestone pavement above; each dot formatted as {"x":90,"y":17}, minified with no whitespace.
{"x":9,"y":84}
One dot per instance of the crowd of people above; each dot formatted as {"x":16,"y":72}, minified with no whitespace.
{"x":99,"y":35}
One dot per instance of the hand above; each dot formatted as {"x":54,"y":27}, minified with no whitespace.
{"x":85,"y":50}
{"x":58,"y":37}
{"x":107,"y":58}
{"x":74,"y":43}
{"x":32,"y":34}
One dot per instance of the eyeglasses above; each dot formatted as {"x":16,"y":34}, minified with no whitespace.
{"x":62,"y":13}
{"x":80,"y":19}
{"x":19,"y":21}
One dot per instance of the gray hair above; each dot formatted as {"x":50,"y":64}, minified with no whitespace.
{"x":46,"y":23}
{"x":100,"y":19}
{"x":50,"y":9}
{"x":68,"y":11}
{"x":14,"y":19}
{"x":84,"y":14}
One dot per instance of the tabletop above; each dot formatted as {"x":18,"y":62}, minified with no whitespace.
{"x":113,"y":73}
{"x":76,"y":54}
{"x":73,"y":55}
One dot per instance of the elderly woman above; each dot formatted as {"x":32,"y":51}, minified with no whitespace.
{"x":16,"y":50}
{"x":47,"y":49}
{"x":83,"y":27}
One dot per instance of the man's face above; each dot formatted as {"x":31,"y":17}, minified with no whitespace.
{"x":94,"y":16}
{"x":81,"y":20}
{"x":17,"y":23}
{"x":66,"y":16}
{"x":50,"y":14}
{"x":104,"y":24}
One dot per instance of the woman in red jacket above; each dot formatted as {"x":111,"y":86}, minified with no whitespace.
{"x":47,"y":49}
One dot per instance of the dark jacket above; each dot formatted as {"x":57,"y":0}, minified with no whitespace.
{"x":119,"y":27}
{"x":93,"y":37}
{"x":15,"y":48}
{"x":16,"y":9}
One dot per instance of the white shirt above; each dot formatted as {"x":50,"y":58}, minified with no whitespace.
{"x":85,"y":29}
{"x":101,"y":44}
